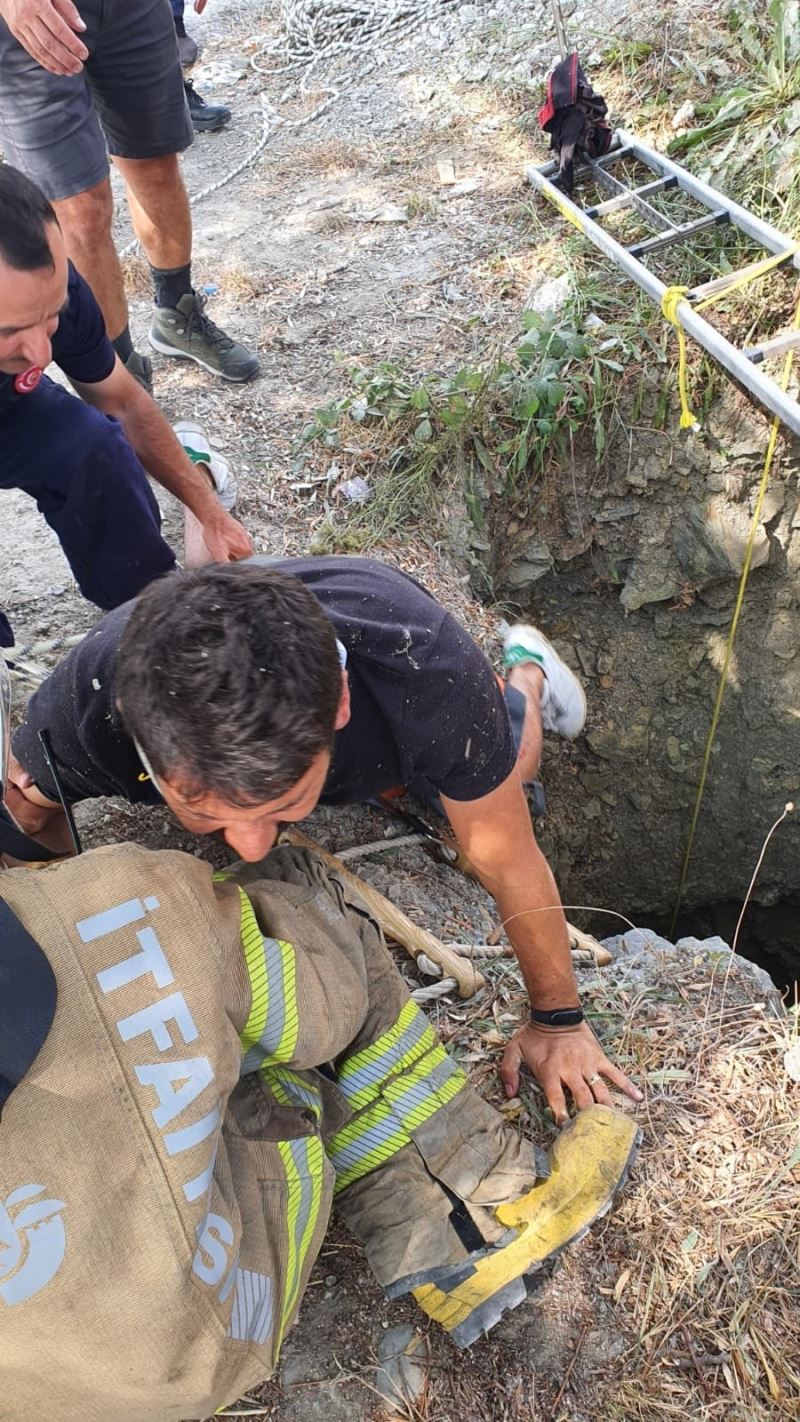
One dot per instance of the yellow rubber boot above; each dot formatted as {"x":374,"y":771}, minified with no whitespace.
{"x":589,"y":1163}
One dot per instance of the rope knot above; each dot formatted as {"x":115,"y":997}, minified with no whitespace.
{"x":670,"y":301}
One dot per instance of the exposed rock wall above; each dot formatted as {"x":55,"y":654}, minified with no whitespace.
{"x":633,"y":570}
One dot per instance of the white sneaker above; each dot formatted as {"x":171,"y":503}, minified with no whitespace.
{"x":563,"y":701}
{"x":195,"y":442}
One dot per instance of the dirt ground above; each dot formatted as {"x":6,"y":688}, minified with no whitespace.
{"x":305,"y":269}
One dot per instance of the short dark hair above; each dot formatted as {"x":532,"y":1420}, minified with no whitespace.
{"x":229,"y":678}
{"x":25,"y":215}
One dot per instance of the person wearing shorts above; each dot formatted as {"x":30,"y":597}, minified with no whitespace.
{"x":75,"y":86}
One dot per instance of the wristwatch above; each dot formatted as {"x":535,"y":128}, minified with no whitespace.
{"x":558,"y":1017}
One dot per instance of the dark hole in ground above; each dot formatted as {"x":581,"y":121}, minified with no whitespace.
{"x":770,"y":934}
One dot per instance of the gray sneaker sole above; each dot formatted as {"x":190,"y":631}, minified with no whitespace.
{"x":164,"y":349}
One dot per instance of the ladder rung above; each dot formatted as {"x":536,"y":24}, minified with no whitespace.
{"x":610,"y":184}
{"x":679,"y":234}
{"x":749,"y":373}
{"x":789,"y":341}
{"x":658,"y":185}
{"x":612,"y":155}
{"x":711,"y":288}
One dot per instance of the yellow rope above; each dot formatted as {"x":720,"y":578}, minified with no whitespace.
{"x":674,"y":295}
{"x":723,"y":677}
{"x":670,"y":302}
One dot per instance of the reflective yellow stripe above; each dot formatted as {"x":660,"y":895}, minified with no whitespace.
{"x":291,"y":1021}
{"x":293,"y":1201}
{"x":431,"y":1084}
{"x":382,"y":1129}
{"x":315,"y":1164}
{"x":253,"y":947}
{"x":291,"y":1089}
{"x":369,"y":1054}
{"x":361,"y":1076}
{"x":272,"y":1028}
{"x":364,"y":1144}
{"x":303,"y":1161}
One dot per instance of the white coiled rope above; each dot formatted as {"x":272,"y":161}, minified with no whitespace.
{"x":315,"y":31}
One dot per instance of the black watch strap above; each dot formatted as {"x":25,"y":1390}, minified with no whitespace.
{"x":558,"y":1017}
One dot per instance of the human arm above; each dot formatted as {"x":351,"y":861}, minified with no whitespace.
{"x":88,"y":744}
{"x":162,"y":455}
{"x":41,"y":818}
{"x":48,"y":30}
{"x":496,"y":835}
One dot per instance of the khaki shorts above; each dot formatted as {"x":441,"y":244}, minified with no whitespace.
{"x":128,"y":101}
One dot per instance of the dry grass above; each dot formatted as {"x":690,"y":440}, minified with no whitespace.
{"x":136,"y":273}
{"x":700,"y":1259}
{"x":242,"y":285}
{"x":334,"y":222}
{"x":711,"y":1229}
{"x":710,"y":1288}
{"x":422,"y":205}
{"x":694,"y":1276}
{"x":337,"y":155}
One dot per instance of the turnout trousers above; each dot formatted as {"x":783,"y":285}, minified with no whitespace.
{"x":377,"y":1118}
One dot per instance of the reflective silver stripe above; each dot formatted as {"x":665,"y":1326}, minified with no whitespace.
{"x":299,"y":1208}
{"x":387,"y":1133}
{"x":251,"y":1316}
{"x":406,"y":1097}
{"x":300,"y":1092}
{"x":304,"y":1165}
{"x":388,"y":1124}
{"x":270,"y":1038}
{"x":374,"y":1072}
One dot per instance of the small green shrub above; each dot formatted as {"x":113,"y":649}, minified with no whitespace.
{"x":496,"y":431}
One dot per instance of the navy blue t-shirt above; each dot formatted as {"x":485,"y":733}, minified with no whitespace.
{"x":425,"y":704}
{"x":80,"y":345}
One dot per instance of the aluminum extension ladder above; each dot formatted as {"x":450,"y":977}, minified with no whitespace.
{"x":744,"y":364}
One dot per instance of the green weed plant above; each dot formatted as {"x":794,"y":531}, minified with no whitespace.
{"x":499,"y":431}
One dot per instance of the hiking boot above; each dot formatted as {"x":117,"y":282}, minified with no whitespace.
{"x":188,"y":49}
{"x":563,"y":703}
{"x":196,"y":443}
{"x":141,"y":368}
{"x":206,"y":118}
{"x":186,"y":332}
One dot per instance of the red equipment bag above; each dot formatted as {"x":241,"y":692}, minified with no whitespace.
{"x":575,"y":117}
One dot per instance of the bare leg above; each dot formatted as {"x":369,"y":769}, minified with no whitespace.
{"x":85,"y":221}
{"x":529,"y":679}
{"x":159,"y":208}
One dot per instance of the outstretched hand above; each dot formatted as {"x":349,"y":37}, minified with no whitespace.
{"x":48,"y":30}
{"x":564,"y":1059}
{"x":225,"y":538}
